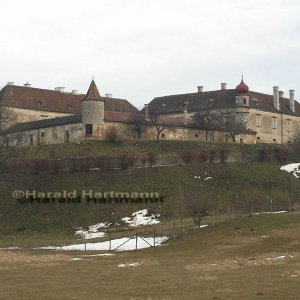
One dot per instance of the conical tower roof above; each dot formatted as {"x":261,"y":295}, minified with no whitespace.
{"x":92,"y":93}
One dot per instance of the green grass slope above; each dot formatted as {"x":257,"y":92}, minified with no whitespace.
{"x":233,"y":189}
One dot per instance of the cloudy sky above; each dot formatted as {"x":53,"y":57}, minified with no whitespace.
{"x":139,"y":49}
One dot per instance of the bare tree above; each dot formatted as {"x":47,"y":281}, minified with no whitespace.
{"x":234,"y":123}
{"x":10,"y":139}
{"x":112,"y":135}
{"x":206,"y":120}
{"x":198,"y":208}
{"x":160,"y":125}
{"x":139,"y":125}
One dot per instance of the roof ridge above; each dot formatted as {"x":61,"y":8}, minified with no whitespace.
{"x":194,"y":93}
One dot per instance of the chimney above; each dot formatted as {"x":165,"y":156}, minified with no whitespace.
{"x":146,"y":112}
{"x":281,"y":94}
{"x":276,"y":97}
{"x":10,"y":83}
{"x":292,"y":100}
{"x":75,"y":92}
{"x":200,"y":89}
{"x":185,"y":115}
{"x":27,"y":84}
{"x":223,"y":86}
{"x":108,"y":95}
{"x":60,"y":89}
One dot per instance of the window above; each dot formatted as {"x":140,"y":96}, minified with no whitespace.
{"x":31,"y":139}
{"x":163,"y":136}
{"x":274,"y":141}
{"x":274,"y":123}
{"x":289,"y":125}
{"x":258,"y":121}
{"x":196,"y":135}
{"x":42,"y":137}
{"x":54,"y":133}
{"x":241,"y":141}
{"x":211,"y":136}
{"x":258,"y":140}
{"x":67,"y":136}
{"x":88,"y":129}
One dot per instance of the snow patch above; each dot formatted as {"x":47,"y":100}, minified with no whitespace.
{"x":140,"y":218}
{"x":202,"y":226}
{"x":272,"y":212}
{"x":10,"y":248}
{"x":125,"y":243}
{"x":292,"y":168}
{"x":93,"y":231}
{"x":129,"y":265}
{"x":278,"y":257}
{"x":101,"y":254}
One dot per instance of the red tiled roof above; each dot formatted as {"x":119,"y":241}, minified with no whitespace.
{"x":92,"y":93}
{"x":217,"y":99}
{"x":112,"y":116}
{"x":54,"y":101}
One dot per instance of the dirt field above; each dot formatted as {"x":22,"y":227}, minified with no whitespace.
{"x":207,"y":264}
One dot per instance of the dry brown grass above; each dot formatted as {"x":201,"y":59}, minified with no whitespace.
{"x":207,"y":264}
{"x":34,"y":258}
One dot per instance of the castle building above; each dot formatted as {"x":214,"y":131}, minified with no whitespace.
{"x":49,"y":117}
{"x":274,"y":118}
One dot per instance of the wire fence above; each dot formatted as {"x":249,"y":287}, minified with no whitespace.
{"x":114,"y":240}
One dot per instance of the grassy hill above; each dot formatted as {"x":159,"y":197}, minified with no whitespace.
{"x":233,"y":189}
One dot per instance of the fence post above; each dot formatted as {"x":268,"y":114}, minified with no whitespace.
{"x":84,"y":244}
{"x":14,"y":242}
{"x":136,"y":239}
{"x":109,"y":242}
{"x":213,"y":218}
{"x":174,"y":231}
{"x":154,"y":236}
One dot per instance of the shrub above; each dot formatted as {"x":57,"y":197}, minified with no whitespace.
{"x":280,"y":154}
{"x":212,"y":155}
{"x":203,"y":156}
{"x":263,"y":155}
{"x":152,"y":158}
{"x":187,"y":156}
{"x":126,"y":161}
{"x":224,"y":155}
{"x":112,"y":135}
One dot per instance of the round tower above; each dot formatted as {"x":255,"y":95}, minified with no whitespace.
{"x":242,"y":99}
{"x":92,"y":112}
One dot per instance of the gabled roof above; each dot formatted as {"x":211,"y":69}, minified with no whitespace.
{"x":92,"y":93}
{"x":55,"y":101}
{"x":217,"y":99}
{"x":26,"y":126}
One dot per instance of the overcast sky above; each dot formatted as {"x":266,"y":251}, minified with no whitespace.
{"x":140,"y":49}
